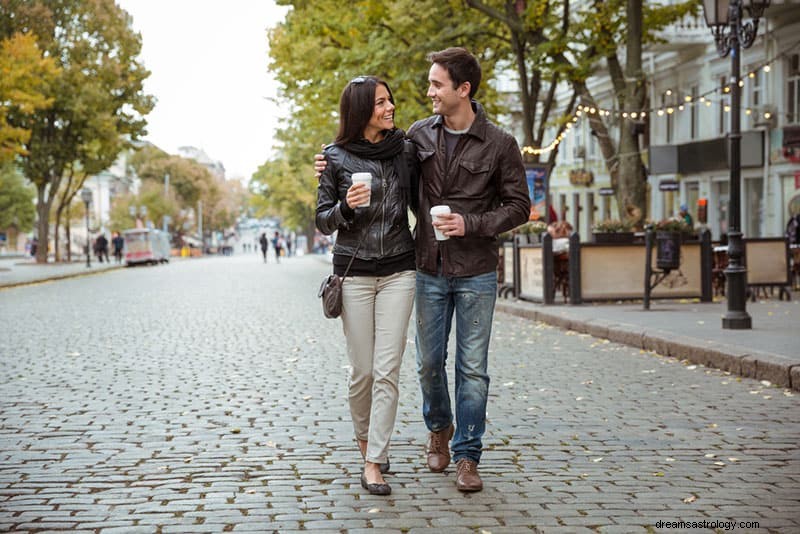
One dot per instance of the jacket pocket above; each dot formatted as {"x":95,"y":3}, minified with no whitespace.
{"x":473,"y":179}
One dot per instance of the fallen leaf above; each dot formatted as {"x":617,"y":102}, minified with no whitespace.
{"x":692,"y":367}
{"x":508,"y":384}
{"x":733,"y":460}
{"x":669,"y":459}
{"x":595,"y":460}
{"x":187,"y":460}
{"x":711,"y":455}
{"x":307,"y":397}
{"x":690,"y":500}
{"x":236,"y":431}
{"x":373,"y":510}
{"x":578,"y":398}
{"x":766,"y":383}
{"x":658,"y":474}
{"x":721,"y":464}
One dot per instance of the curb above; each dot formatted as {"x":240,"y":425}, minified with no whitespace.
{"x":58,"y":277}
{"x":775,"y":368}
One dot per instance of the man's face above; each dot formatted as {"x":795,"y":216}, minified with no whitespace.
{"x":445,"y":98}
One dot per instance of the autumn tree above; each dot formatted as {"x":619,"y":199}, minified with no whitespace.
{"x":98,"y":103}
{"x":26,"y":75}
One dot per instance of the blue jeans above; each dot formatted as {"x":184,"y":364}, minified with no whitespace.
{"x":472,"y":299}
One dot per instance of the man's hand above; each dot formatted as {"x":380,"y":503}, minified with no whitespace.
{"x":451,"y":225}
{"x":319,"y":164}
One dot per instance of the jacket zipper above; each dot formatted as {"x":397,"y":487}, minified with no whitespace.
{"x":383,"y":206}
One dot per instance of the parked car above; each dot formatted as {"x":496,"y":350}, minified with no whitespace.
{"x":143,"y":245}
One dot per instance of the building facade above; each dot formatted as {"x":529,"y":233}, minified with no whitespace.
{"x":684,"y":134}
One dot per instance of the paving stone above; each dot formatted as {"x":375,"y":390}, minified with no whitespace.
{"x":130,"y":433}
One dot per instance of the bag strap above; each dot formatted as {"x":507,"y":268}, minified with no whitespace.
{"x":363,"y":236}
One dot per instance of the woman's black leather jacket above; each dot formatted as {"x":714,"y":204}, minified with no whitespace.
{"x":389,"y":234}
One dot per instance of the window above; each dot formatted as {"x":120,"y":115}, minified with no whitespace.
{"x":666,"y":105}
{"x":793,"y":89}
{"x":754,"y":80}
{"x":695,"y":113}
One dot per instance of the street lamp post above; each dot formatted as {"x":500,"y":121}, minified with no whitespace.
{"x":86,"y":196}
{"x":731,"y":34}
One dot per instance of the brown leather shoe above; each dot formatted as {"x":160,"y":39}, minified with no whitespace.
{"x":438,"y":449}
{"x":467,"y":477}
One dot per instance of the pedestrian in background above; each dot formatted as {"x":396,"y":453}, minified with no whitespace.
{"x":264,"y":242}
{"x":101,"y":248}
{"x":118,"y":243}
{"x":379,"y":289}
{"x":277,"y":244}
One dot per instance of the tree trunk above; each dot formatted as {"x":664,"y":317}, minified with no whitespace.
{"x":632,"y":190}
{"x":56,"y":226}
{"x":43,"y":224}
{"x":68,"y":228}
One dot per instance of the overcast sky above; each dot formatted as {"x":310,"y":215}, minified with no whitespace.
{"x":208,"y":62}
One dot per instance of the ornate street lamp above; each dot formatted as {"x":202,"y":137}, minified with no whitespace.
{"x":86,"y":196}
{"x":731,"y":34}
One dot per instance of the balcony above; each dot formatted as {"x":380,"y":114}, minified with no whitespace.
{"x":686,"y":32}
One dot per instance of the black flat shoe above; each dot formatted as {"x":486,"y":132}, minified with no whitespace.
{"x":375,"y":489}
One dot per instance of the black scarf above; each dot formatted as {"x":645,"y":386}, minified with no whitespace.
{"x":390,"y":147}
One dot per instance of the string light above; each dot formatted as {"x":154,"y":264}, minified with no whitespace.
{"x":642,"y":114}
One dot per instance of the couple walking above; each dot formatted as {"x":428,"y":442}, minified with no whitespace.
{"x":456,"y":158}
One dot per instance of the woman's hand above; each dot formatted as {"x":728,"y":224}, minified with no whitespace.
{"x":357,"y":194}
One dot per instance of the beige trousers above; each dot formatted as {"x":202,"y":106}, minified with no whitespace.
{"x":375,"y":315}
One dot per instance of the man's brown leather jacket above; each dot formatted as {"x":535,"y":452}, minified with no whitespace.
{"x":484,"y":182}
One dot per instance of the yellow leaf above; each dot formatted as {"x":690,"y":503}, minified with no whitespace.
{"x":689,"y":500}
{"x":236,"y":430}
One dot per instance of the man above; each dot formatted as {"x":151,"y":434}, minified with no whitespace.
{"x":685,"y":215}
{"x":264,"y":242}
{"x":476,"y":169}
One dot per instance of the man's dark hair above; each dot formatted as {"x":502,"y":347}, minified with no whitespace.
{"x":356,"y":106}
{"x":461,"y":66}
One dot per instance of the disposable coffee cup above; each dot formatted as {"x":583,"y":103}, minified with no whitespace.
{"x":435,"y":212}
{"x":363,"y":178}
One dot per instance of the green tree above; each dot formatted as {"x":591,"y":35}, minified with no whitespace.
{"x":25,"y":76}
{"x":98,"y":99}
{"x":16,"y":200}
{"x":550,"y":44}
{"x":321,"y":45}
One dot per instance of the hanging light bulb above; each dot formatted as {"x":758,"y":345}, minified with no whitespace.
{"x":767,"y":68}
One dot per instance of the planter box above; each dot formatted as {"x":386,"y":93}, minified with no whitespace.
{"x":613,"y":237}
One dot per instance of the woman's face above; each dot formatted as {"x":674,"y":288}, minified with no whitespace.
{"x":382,"y":114}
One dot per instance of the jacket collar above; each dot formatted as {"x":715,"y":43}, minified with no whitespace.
{"x":478,"y":128}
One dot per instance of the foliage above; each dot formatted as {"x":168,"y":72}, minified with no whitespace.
{"x":189,"y":183}
{"x":25,"y":77}
{"x":532,"y":227}
{"x":98,"y":102}
{"x":319,"y":47}
{"x":612,"y":226}
{"x":672,"y":225}
{"x":16,"y":200}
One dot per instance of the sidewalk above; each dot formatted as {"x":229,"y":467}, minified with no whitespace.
{"x":689,"y":330}
{"x":17,"y":271}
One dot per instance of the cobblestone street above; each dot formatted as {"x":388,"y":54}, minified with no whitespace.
{"x":210,"y":395}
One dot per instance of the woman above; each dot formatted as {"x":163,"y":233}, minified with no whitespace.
{"x":378,"y":291}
